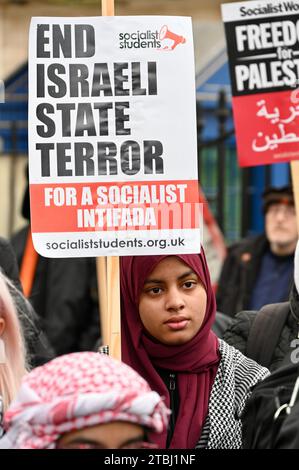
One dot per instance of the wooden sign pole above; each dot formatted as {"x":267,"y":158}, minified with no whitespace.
{"x":113,"y":293}
{"x":108,"y":276}
{"x":107,"y":7}
{"x":102,"y":292}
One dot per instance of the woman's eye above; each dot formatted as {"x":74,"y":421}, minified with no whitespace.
{"x":189,"y":284}
{"x":155,"y":290}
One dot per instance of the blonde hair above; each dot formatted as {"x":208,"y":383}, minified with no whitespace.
{"x":12,"y":371}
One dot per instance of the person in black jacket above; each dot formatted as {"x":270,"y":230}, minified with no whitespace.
{"x":240,"y":329}
{"x":279,"y":327}
{"x":38,"y":347}
{"x":271,"y":336}
{"x":259,"y":270}
{"x":63,"y":294}
{"x":288,"y":437}
{"x":8,"y":262}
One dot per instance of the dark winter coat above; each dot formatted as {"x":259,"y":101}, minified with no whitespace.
{"x":64,"y":295}
{"x":289,"y":432}
{"x":237,"y":333}
{"x":38,"y":348}
{"x":8,"y":262}
{"x":221,"y":324}
{"x":239,"y":274}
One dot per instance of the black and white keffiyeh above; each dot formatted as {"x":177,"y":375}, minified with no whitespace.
{"x":232,"y":387}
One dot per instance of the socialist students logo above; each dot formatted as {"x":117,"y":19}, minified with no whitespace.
{"x":139,"y":40}
{"x":165,"y":39}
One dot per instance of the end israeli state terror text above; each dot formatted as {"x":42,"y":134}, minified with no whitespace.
{"x":108,"y":117}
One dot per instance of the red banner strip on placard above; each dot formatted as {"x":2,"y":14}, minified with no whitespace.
{"x":85,"y":207}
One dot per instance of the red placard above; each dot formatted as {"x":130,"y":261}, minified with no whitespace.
{"x":267,"y":128}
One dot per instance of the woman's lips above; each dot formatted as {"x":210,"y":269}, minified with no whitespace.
{"x":177,"y":324}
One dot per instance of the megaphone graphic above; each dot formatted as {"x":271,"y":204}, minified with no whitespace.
{"x":166,"y":34}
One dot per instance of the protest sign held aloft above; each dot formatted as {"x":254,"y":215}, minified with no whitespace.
{"x":113,"y":145}
{"x":263,"y":42}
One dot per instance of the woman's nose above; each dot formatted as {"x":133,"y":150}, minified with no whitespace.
{"x":174,"y":300}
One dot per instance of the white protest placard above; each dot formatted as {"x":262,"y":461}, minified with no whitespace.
{"x":112,"y":136}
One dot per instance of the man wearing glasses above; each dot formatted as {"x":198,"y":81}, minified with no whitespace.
{"x":259,"y":270}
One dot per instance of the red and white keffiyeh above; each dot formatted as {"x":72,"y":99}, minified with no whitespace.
{"x":75,"y":391}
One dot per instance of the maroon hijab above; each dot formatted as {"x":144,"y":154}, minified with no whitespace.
{"x":195,"y":362}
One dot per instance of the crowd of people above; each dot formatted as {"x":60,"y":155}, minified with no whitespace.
{"x":179,"y":385}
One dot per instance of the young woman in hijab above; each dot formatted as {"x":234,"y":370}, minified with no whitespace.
{"x":83,"y":400}
{"x":168,"y":308}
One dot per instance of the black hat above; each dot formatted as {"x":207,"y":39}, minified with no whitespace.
{"x":273,"y":195}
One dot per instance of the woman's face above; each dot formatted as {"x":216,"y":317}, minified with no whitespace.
{"x":173,"y":302}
